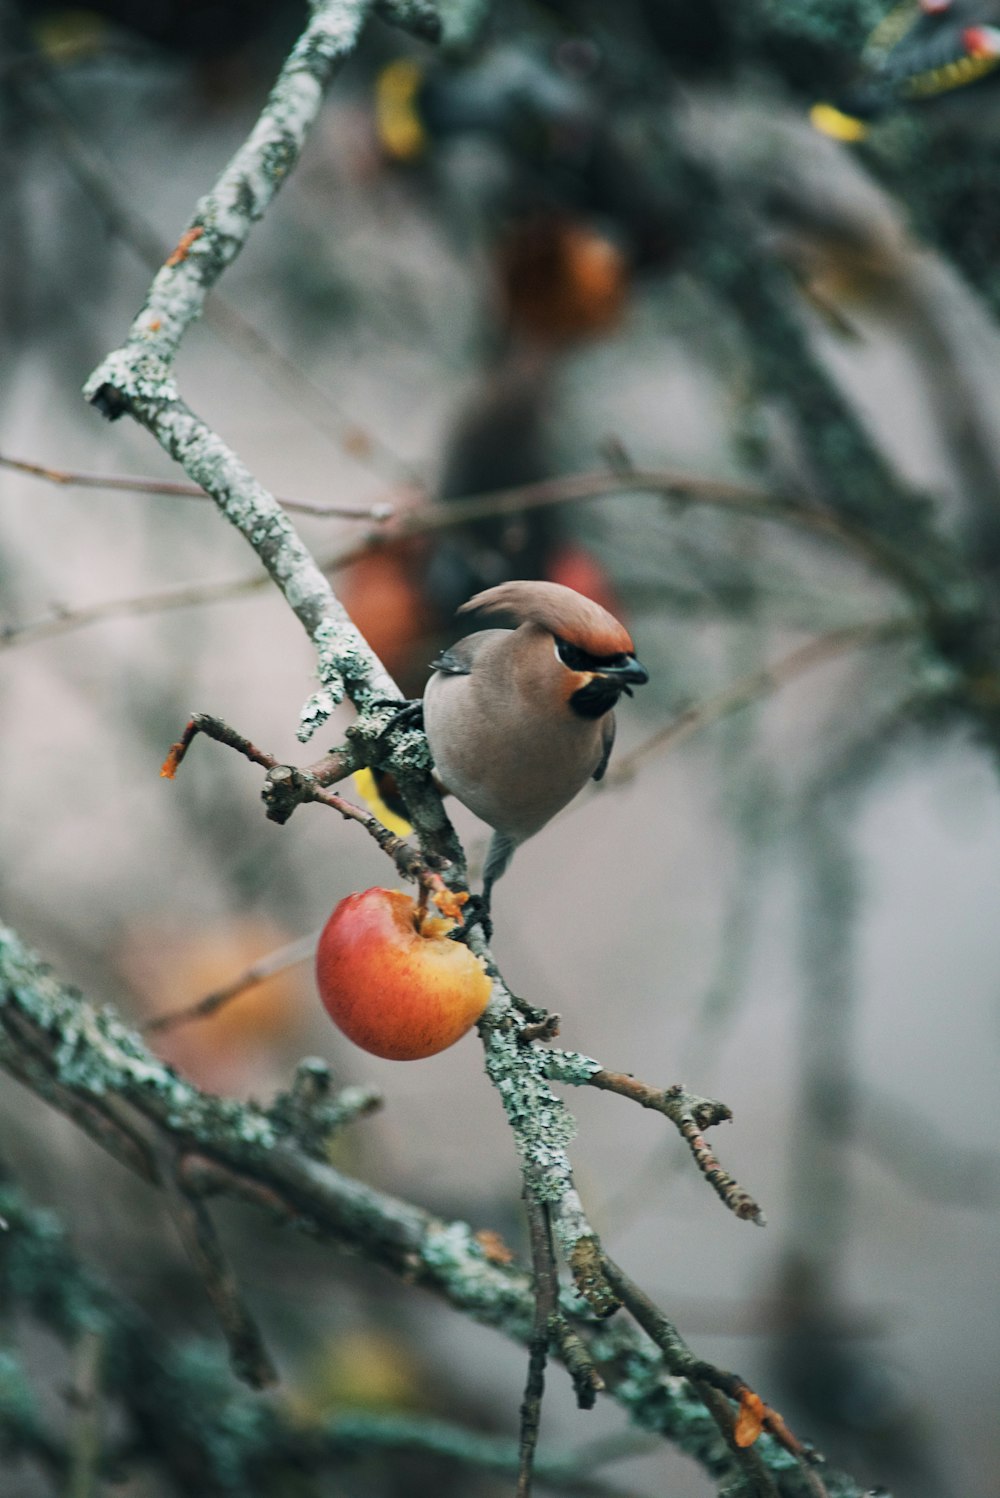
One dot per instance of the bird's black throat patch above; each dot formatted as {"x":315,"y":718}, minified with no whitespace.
{"x":598,"y":697}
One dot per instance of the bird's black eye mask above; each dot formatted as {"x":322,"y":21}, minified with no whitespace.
{"x":581,"y":660}
{"x":611,"y":675}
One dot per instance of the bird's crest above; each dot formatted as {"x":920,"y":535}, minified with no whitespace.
{"x":564,"y":612}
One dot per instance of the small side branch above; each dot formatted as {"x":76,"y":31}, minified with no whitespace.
{"x":758,"y":684}
{"x":753,"y":1417}
{"x":689,"y":1113}
{"x":288,"y":787}
{"x":546,"y":1285}
{"x":251,"y":977}
{"x":216,"y":729}
{"x":124,"y":483}
{"x":312,"y":1114}
{"x":247,"y":1353}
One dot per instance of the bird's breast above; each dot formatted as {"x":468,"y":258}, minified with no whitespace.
{"x":512,"y":765}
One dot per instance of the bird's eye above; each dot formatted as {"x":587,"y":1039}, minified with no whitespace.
{"x":573,"y":657}
{"x":581,"y":660}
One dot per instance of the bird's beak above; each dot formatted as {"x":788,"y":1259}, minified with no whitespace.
{"x":631,"y":671}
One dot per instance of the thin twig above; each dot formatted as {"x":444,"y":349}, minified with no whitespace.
{"x":85,"y":1434}
{"x":128,"y":484}
{"x":546,"y":1288}
{"x":756,"y":684}
{"x":404,"y":519}
{"x":249,"y":1357}
{"x":287,"y":786}
{"x":681,"y":1362}
{"x":690,"y":1114}
{"x":426,"y":519}
{"x":213,"y":728}
{"x":251,"y":977}
{"x":162,"y":600}
{"x":705,"y":1376}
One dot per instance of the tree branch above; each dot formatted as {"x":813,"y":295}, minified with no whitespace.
{"x":129,"y":484}
{"x":689,"y":1113}
{"x":243,"y":1150}
{"x":545,"y":1277}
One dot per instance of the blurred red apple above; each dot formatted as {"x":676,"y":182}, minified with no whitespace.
{"x":390,"y":978}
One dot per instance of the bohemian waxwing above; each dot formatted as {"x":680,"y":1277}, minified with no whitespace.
{"x":518,"y":720}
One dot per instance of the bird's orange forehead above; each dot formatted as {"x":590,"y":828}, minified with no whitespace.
{"x":600,"y":638}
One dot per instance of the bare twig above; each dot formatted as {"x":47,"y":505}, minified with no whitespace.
{"x":213,"y":728}
{"x":128,"y":484}
{"x":312,"y":1113}
{"x":423,"y":519}
{"x":179,"y":596}
{"x":287,"y":786}
{"x":546,"y":1289}
{"x":85,"y":1434}
{"x":690,"y":1115}
{"x":249,"y":1357}
{"x":757,"y":684}
{"x":251,"y":977}
{"x":404,"y":518}
{"x":711,"y":1382}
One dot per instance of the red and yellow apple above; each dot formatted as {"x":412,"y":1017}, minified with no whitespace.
{"x":392,"y":981}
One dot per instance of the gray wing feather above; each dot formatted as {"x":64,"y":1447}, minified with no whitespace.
{"x":450,"y":664}
{"x":459,"y":659}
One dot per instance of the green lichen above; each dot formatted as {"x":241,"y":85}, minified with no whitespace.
{"x":489,"y":1292}
{"x":571,"y":1067}
{"x":92,"y":1051}
{"x":543,"y":1127}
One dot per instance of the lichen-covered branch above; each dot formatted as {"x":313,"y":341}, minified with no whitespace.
{"x":221,"y":223}
{"x":266,"y":1156}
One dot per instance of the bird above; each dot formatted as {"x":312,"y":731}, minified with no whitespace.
{"x":518,"y":720}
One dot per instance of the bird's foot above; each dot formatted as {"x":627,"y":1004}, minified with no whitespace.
{"x":475,"y":912}
{"x":410,"y":713}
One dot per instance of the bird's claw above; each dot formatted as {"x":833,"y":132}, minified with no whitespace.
{"x":409,"y":714}
{"x":475,"y":912}
{"x":531,"y":1012}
